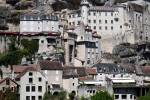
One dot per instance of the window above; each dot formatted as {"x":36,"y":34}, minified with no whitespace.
{"x":39,"y":97}
{"x":111,"y":13}
{"x":3,"y":88}
{"x":42,"y":41}
{"x":12,"y":88}
{"x":94,"y":14}
{"x":40,"y":88}
{"x":99,"y":13}
{"x":124,"y":96}
{"x":105,"y":21}
{"x":73,"y":23}
{"x":100,"y":28}
{"x":27,"y":97}
{"x":30,"y":73}
{"x":94,"y":27}
{"x":89,"y":13}
{"x":111,"y":21}
{"x":94,"y":21}
{"x":78,"y":22}
{"x":69,"y":23}
{"x":30,"y":80}
{"x":7,"y":82}
{"x":105,"y":27}
{"x":40,"y":79}
{"x":120,"y":26}
{"x":27,"y":88}
{"x":116,"y":96}
{"x":89,"y":21}
{"x":105,"y":13}
{"x":93,"y":91}
{"x":33,"y":88}
{"x":112,"y":28}
{"x":33,"y":97}
{"x":121,"y":75}
{"x":100,"y":21}
{"x":130,"y":96}
{"x":113,"y":75}
{"x":73,"y":84}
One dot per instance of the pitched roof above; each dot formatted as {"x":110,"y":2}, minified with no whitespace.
{"x":7,"y":78}
{"x":81,"y":71}
{"x":136,"y":7}
{"x":146,"y":70}
{"x":24,"y":71}
{"x":91,"y":71}
{"x":21,"y":68}
{"x":110,"y":68}
{"x":50,"y":65}
{"x":69,"y":72}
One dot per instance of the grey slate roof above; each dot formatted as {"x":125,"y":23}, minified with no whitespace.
{"x":110,"y":68}
{"x":38,"y":17}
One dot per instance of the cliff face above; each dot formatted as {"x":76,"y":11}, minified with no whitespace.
{"x":74,"y":4}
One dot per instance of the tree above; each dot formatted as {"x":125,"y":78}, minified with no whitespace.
{"x":146,"y":97}
{"x":83,"y":98}
{"x":13,"y":56}
{"x":72,"y":95}
{"x":47,"y":96}
{"x":8,"y":95}
{"x":31,"y":46}
{"x":124,"y":49}
{"x":56,"y":96}
{"x":102,"y":96}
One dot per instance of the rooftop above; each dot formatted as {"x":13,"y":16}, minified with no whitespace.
{"x":50,"y":65}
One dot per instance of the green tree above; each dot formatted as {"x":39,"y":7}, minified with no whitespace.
{"x":47,"y":96}
{"x":83,"y":98}
{"x":146,"y":97}
{"x":102,"y":96}
{"x":72,"y":95}
{"x":13,"y":56}
{"x":8,"y":95}
{"x":31,"y":46}
{"x":56,"y":96}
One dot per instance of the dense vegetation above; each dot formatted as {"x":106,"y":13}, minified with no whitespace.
{"x":146,"y":97}
{"x":17,"y":51}
{"x":102,"y":96}
{"x":8,"y":95}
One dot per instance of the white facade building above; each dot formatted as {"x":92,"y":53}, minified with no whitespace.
{"x":116,"y":24}
{"x":70,"y":80}
{"x":32,"y":84}
{"x":38,"y":23}
{"x":82,"y":46}
{"x":53,"y":71}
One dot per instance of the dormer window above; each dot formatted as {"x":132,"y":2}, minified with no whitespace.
{"x":30,"y":73}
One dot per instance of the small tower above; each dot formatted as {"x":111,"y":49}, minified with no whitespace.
{"x":84,"y":11}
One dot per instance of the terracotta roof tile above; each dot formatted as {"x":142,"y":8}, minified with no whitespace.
{"x":146,"y":70}
{"x":50,"y":65}
{"x":7,"y":78}
{"x":24,"y":71}
{"x":21,"y":68}
{"x":91,"y":71}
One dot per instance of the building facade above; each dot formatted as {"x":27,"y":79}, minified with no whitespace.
{"x":33,"y":84}
{"x":116,"y":24}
